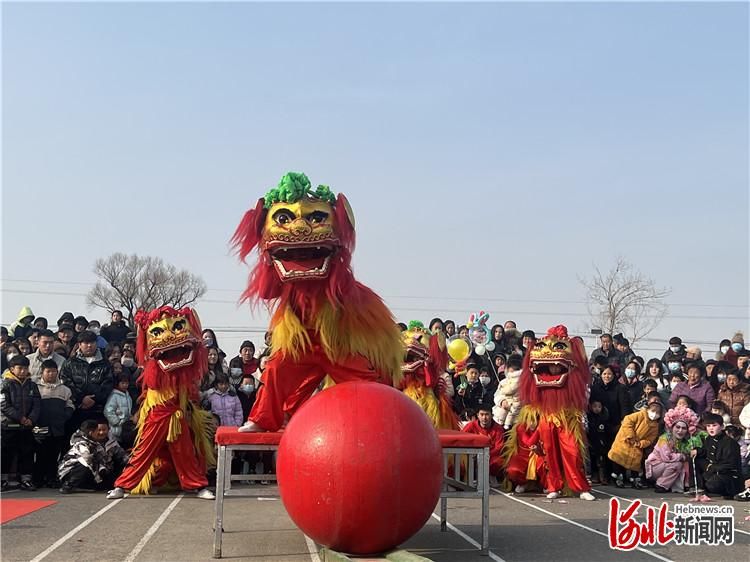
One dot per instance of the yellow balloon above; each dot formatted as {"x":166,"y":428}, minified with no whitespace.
{"x":459,"y":349}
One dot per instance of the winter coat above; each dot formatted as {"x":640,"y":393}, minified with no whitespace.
{"x":84,"y":378}
{"x":101,"y":459}
{"x":18,"y":400}
{"x":117,"y":410}
{"x":227,"y":406}
{"x":57,"y":407}
{"x":115,"y":332}
{"x":35,"y":364}
{"x":19,"y":330}
{"x":635,"y":392}
{"x":473,"y":396}
{"x":735,"y":398}
{"x":613,"y":396}
{"x":599,"y":432}
{"x":248,"y":370}
{"x":508,"y":390}
{"x":702,"y":394}
{"x":643,"y":431}
{"x":723,"y":455}
{"x":612,"y":357}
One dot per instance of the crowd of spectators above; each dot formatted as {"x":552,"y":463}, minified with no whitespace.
{"x":70,"y":399}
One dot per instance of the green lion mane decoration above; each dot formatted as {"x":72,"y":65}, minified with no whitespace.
{"x":295,"y":186}
{"x":415,"y":324}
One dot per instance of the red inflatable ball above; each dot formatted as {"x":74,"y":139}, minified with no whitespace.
{"x":360,"y":468}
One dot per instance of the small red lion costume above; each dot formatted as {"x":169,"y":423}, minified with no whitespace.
{"x":174,"y":434}
{"x":548,"y":443}
{"x":324,"y":322}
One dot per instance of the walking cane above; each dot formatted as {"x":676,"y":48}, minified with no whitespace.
{"x":695,"y":479}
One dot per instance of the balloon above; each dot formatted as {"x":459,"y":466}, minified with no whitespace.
{"x":490,"y":346}
{"x":459,"y":349}
{"x":479,"y":349}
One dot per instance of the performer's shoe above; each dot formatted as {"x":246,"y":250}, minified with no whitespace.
{"x":116,"y":494}
{"x":520,"y":489}
{"x":743,"y":496}
{"x":250,"y":427}
{"x":553,"y":495}
{"x":588,"y":496}
{"x":659,"y":490}
{"x":205,"y":494}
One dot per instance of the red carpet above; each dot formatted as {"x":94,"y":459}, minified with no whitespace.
{"x":13,"y":509}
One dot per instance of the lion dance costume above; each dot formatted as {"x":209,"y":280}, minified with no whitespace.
{"x":324,"y":322}
{"x":174,"y":434}
{"x":425,"y":361}
{"x":548,"y":442}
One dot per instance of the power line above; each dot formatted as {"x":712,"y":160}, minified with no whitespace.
{"x":414,"y":297}
{"x":431,"y":310}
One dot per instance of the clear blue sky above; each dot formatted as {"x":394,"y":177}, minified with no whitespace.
{"x":488,"y":150}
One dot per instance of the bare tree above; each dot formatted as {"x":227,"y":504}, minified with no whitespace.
{"x":132,"y":282}
{"x":624,"y":300}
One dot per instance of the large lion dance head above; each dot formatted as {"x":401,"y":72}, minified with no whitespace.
{"x":555,"y":372}
{"x":170,"y":347}
{"x":305,"y":239}
{"x":424,"y":352}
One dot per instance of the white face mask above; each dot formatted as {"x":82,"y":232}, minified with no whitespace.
{"x":127,"y":361}
{"x":94,"y":329}
{"x":484,"y":380}
{"x":724,"y":348}
{"x":674,"y":367}
{"x":674,"y":348}
{"x":247,"y":388}
{"x":653,"y":416}
{"x":721,"y":377}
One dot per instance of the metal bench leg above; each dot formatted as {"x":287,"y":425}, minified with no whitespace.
{"x":219,"y":502}
{"x":484,"y":474}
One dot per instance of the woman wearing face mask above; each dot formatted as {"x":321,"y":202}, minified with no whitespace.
{"x":638,"y":432}
{"x":656,"y":372}
{"x":10,"y":350}
{"x":631,"y":379}
{"x":734,"y":393}
{"x":668,"y":463}
{"x":737,"y":347}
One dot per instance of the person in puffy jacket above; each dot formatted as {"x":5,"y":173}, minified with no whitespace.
{"x":225,"y":403}
{"x":88,"y":375}
{"x":118,"y":407}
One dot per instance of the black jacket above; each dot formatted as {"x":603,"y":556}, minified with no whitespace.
{"x":19,"y":400}
{"x":613,"y":396}
{"x":115,"y":332}
{"x":84,"y":378}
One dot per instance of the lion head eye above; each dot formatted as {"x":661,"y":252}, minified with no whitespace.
{"x":283,"y":216}
{"x":559,"y":346}
{"x":540,"y":345}
{"x":156,"y":332}
{"x":178,"y":326}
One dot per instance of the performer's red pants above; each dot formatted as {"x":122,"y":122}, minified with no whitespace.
{"x":287,"y":383}
{"x":178,"y":455}
{"x":563,"y":458}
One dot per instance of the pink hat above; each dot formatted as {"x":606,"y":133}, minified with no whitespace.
{"x":685,"y":415}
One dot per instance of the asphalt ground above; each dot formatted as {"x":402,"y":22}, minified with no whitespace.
{"x":178,"y":527}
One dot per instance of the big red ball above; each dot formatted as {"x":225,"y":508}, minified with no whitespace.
{"x":360,"y":468}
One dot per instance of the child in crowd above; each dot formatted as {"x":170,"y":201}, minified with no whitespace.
{"x":649,"y":392}
{"x":717,"y":461}
{"x":638,"y":431}
{"x":598,"y":431}
{"x":94,"y":460}
{"x":225,"y":403}
{"x":118,"y":406}
{"x":738,"y":435}
{"x":471,"y":393}
{"x":20,"y":405}
{"x":56,"y":409}
{"x":719,"y":408}
{"x":685,"y":402}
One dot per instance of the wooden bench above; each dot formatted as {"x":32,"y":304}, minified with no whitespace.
{"x":472,"y":452}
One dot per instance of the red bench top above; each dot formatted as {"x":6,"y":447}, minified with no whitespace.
{"x":228,"y":435}
{"x":452,"y":438}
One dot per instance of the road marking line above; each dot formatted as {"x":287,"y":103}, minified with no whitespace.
{"x":73,"y":531}
{"x":576,"y":523}
{"x":312,"y":548}
{"x":468,"y":539}
{"x":155,"y":527}
{"x":657,"y":507}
